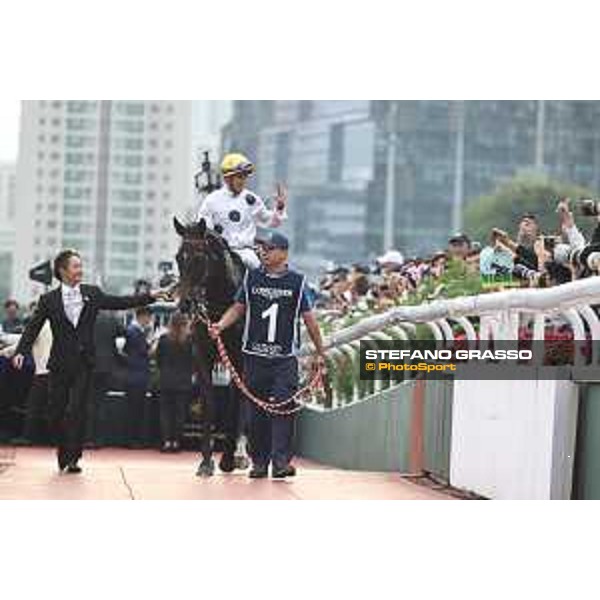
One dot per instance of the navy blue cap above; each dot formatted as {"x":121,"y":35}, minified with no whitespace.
{"x":274,"y":239}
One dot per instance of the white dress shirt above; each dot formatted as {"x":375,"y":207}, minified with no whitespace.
{"x":72,"y":301}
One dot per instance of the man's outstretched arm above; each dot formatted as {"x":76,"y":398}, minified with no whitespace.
{"x":110,"y":302}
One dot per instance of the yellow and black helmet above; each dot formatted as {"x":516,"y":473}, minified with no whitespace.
{"x":235,"y":163}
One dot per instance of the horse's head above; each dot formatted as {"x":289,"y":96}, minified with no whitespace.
{"x":205,"y":265}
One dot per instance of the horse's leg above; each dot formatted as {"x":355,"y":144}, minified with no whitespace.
{"x":204,"y":375}
{"x":231,"y":421}
{"x":227,"y":464}
{"x":241,"y":458}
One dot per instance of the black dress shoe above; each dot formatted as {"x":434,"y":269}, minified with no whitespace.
{"x":287,"y":471}
{"x":73,"y":468}
{"x":258,"y":472}
{"x":227,"y":463}
{"x":62,"y":461}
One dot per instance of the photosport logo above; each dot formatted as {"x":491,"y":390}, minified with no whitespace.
{"x":551,"y":359}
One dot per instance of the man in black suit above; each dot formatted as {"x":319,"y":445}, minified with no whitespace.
{"x":71,"y":309}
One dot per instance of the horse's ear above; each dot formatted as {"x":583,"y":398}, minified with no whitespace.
{"x":202,"y":227}
{"x":179,"y":227}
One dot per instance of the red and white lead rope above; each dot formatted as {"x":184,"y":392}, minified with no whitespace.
{"x":273,"y":408}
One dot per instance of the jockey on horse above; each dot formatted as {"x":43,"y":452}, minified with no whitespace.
{"x":234,"y":212}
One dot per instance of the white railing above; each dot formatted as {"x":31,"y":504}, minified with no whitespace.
{"x":500,"y":316}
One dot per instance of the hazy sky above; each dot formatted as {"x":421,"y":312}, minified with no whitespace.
{"x":9,"y":129}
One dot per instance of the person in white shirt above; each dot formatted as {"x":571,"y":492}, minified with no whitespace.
{"x":235,"y":212}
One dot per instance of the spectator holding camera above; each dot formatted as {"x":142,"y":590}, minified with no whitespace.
{"x":561,"y":261}
{"x":522,"y":249}
{"x":568,"y":227}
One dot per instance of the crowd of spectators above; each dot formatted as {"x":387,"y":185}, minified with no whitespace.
{"x":529,"y":258}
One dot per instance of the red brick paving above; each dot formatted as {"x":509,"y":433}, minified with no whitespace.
{"x":118,"y":474}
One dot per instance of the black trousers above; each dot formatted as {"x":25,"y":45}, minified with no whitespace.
{"x":68,"y":394}
{"x":36,"y":419}
{"x":271,"y":436}
{"x":98,"y":391}
{"x":173,"y":407}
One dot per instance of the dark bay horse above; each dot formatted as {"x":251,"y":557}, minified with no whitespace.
{"x":210,"y":274}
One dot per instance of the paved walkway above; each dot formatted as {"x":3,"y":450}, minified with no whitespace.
{"x":116,"y":474}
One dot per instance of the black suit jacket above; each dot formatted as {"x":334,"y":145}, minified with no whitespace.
{"x":108,"y":328}
{"x":73,"y":348}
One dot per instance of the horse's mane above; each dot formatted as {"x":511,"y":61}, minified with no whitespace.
{"x":234,"y":266}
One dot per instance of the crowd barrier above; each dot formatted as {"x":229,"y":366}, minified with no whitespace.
{"x":510,"y":439}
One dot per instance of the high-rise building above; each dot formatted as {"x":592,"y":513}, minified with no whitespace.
{"x":362,"y":173}
{"x":324,"y":152}
{"x":249,"y":118}
{"x":7,"y":226}
{"x":104,"y":177}
{"x":209,"y":117}
{"x":449,"y":153}
{"x":8,"y":182}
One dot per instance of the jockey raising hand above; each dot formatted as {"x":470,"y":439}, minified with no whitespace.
{"x":235,"y":212}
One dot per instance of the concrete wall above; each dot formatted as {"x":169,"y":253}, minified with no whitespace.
{"x":514,"y":439}
{"x":371,"y":435}
{"x":404,"y":429}
{"x":587,"y":461}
